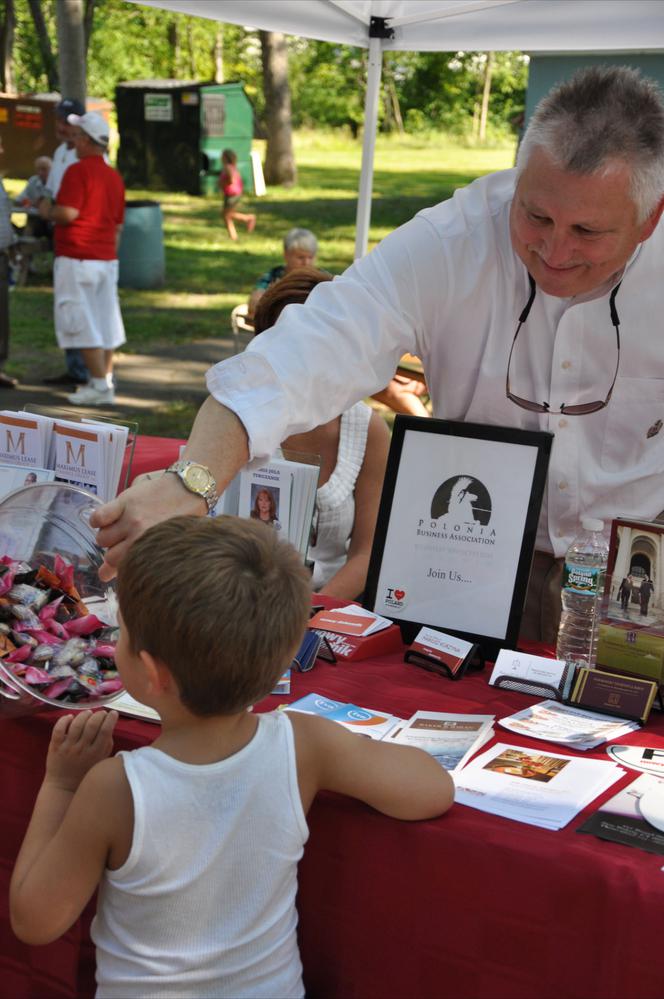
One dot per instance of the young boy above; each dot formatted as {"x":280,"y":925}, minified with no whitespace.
{"x":231,"y":186}
{"x":196,"y":839}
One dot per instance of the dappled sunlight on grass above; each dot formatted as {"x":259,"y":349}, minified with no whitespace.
{"x":207,"y":274}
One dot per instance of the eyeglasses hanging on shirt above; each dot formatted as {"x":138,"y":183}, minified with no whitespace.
{"x":581,"y":409}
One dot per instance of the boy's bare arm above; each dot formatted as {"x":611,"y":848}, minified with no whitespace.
{"x":400,"y":781}
{"x":79,"y":808}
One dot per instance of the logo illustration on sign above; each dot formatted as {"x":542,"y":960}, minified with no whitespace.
{"x":464,"y":498}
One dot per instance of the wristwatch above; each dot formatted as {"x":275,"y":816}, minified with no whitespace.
{"x":197,"y":479}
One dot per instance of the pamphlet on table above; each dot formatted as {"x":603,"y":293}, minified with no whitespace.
{"x":627,"y":817}
{"x":545,"y":790}
{"x":536,"y":675}
{"x":349,"y":620}
{"x":128,"y":705}
{"x":556,"y":722}
{"x":646,"y":759}
{"x":375,"y":724}
{"x":450,"y":738}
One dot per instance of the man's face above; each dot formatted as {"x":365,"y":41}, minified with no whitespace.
{"x":42,"y":172}
{"x":64,"y":131}
{"x":296,"y":257}
{"x":81,"y":142}
{"x":574,"y":231}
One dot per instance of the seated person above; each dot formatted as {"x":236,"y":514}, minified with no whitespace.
{"x":300,"y":249}
{"x":353,"y":450}
{"x":402,"y":395}
{"x":30,"y":197}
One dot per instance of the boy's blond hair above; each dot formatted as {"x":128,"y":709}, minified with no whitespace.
{"x":222,"y":602}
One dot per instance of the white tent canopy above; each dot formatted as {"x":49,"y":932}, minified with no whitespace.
{"x":445,"y":26}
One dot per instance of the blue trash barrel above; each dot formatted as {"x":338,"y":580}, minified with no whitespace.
{"x":141,"y":252}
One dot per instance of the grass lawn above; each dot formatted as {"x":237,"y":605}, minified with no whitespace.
{"x":207,"y":274}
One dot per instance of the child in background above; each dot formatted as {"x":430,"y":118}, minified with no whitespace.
{"x":196,"y":839}
{"x":230,"y":184}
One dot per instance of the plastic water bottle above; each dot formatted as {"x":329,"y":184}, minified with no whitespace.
{"x":583,"y":586}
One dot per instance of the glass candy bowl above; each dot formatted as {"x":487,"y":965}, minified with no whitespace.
{"x":58,"y":620}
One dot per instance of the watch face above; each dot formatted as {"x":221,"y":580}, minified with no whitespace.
{"x":198,"y":478}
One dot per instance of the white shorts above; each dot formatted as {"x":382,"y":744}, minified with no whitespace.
{"x":86,"y":306}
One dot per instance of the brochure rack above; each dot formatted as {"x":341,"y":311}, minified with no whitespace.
{"x":73,"y":415}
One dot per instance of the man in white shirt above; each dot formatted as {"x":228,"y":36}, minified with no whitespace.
{"x":578,"y":218}
{"x":64,"y":156}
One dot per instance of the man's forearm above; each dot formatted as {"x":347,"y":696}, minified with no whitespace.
{"x":218,"y":439}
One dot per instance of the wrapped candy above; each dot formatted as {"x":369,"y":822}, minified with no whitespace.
{"x":66,"y":653}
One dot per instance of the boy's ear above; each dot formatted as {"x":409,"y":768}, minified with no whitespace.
{"x":158,"y":678}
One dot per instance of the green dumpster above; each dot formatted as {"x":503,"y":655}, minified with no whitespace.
{"x":141,"y":251}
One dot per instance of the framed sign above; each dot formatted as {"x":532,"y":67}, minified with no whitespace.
{"x":456,"y":528}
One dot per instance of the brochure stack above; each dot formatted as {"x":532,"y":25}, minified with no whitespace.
{"x":35,"y":447}
{"x":281,"y":492}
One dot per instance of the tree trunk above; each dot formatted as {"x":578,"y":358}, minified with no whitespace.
{"x":393,"y":98}
{"x":71,"y":49}
{"x":7,"y":48}
{"x":88,"y":20}
{"x":45,"y":47}
{"x":486,"y":94}
{"x":173,"y":36}
{"x":279,"y":160}
{"x":219,"y":56}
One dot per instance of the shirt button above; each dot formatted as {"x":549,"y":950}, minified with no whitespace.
{"x":562,"y":423}
{"x":566,"y":365}
{"x":563,"y":484}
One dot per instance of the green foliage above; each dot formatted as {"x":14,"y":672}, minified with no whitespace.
{"x":443,"y":90}
{"x":434,"y":90}
{"x":131,"y":42}
{"x":324,"y":84}
{"x":28,"y":67}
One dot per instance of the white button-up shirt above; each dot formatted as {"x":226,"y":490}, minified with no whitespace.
{"x":63,"y":157}
{"x":448,"y":287}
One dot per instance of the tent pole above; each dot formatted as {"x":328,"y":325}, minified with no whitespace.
{"x":368,"y":146}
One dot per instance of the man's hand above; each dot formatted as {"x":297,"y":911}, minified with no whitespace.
{"x":149,"y":500}
{"x":78,"y":742}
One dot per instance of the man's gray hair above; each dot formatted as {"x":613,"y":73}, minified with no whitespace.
{"x":601,"y":116}
{"x":301,"y":239}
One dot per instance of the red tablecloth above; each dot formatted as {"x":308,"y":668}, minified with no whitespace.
{"x":151,"y":453}
{"x":468,"y":906}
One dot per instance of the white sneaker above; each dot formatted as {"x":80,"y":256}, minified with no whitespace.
{"x":87,"y":395}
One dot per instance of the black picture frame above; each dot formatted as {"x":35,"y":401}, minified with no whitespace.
{"x":459,"y":457}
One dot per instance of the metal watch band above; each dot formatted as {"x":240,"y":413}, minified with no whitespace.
{"x":210,"y":495}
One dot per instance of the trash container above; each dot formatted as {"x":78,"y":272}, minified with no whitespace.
{"x":141,"y":252}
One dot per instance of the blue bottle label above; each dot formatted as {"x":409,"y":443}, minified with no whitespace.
{"x":582,"y":578}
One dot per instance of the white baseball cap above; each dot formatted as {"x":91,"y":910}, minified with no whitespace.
{"x":93,"y":124}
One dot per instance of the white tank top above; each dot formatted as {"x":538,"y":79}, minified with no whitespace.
{"x":205,"y":904}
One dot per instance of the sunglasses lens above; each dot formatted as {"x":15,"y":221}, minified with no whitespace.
{"x":534,"y":407}
{"x":583,"y":409}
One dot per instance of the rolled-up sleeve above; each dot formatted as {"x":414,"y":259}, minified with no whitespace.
{"x":341,"y":346}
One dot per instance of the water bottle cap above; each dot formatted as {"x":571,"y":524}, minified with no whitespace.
{"x":592,"y":524}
